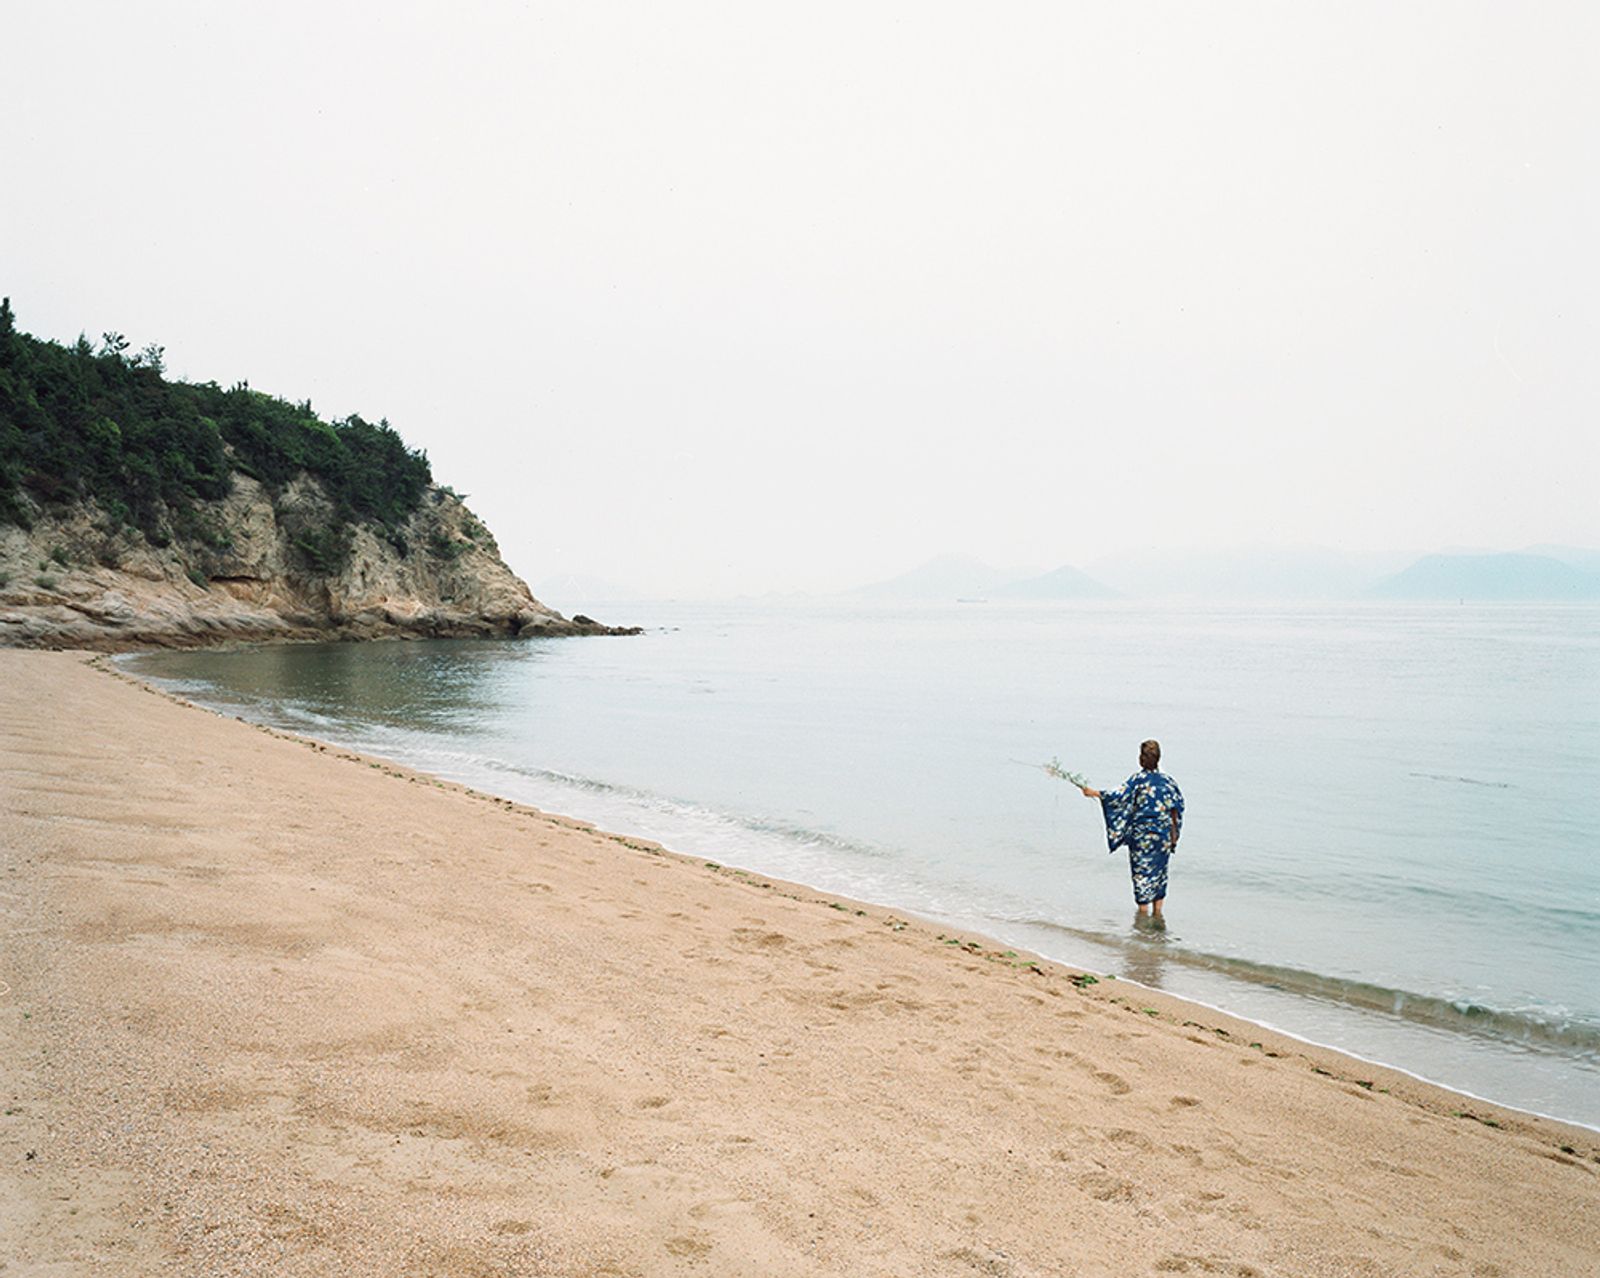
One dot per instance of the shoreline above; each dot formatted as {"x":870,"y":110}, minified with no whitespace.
{"x":990,"y":945}
{"x":338,"y":1048}
{"x":992,"y":936}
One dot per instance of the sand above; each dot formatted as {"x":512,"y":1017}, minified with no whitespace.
{"x":269,"y":1007}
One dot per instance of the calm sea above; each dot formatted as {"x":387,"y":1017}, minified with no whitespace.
{"x":1391,"y":842}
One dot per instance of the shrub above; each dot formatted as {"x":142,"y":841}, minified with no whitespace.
{"x":325,"y":551}
{"x":81,"y":421}
{"x":442,"y":547}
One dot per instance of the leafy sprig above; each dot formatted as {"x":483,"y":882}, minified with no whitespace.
{"x":1055,"y":769}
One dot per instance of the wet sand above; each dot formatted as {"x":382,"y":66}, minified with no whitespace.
{"x":270,"y":1007}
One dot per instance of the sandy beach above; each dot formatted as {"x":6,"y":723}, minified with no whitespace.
{"x":270,"y":1007}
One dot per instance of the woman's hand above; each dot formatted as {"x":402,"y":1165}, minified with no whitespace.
{"x":1089,"y":792}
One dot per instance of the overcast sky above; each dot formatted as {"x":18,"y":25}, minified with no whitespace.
{"x":718,"y":298}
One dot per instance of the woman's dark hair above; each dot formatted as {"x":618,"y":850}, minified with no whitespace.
{"x":1149,"y":754}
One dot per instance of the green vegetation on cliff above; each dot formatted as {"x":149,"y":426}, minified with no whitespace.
{"x":83,"y":422}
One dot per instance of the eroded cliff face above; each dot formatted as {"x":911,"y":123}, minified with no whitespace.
{"x":74,"y":579}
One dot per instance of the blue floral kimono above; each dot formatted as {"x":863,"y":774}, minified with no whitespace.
{"x":1140,"y":816}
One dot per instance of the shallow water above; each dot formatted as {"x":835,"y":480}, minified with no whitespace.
{"x":1387,"y":848}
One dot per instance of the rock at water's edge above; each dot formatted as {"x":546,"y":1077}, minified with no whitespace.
{"x":74,"y":580}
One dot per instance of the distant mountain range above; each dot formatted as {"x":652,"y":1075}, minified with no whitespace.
{"x":1299,"y":572}
{"x":1540,"y":573}
{"x":955,"y":577}
{"x":942,"y":577}
{"x":1065,"y":582}
{"x":1482,"y":578}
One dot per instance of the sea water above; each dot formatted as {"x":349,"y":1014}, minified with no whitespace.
{"x":1390,"y":843}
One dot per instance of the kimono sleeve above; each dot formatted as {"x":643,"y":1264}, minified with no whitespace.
{"x":1117,"y":808}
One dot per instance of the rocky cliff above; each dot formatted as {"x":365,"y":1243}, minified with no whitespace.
{"x":77,"y":577}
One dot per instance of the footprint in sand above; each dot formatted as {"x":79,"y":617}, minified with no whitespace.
{"x":1115,"y":1082}
{"x":1133,"y":1139}
{"x":687,"y":1245}
{"x":1182,"y":1264}
{"x":994,"y":1264}
{"x":753,"y":938}
{"x":1206,"y":1202}
{"x":1106,"y":1188}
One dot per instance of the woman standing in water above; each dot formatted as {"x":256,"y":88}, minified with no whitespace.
{"x":1146,"y":814}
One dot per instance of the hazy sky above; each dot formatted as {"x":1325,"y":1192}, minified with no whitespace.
{"x":710,"y":298}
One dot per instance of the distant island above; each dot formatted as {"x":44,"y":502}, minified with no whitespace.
{"x":1065,"y":582}
{"x":1512,"y":576}
{"x":953,"y":577}
{"x":140,"y":511}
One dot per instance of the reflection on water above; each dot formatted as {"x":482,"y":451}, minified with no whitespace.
{"x":452,"y":688}
{"x":1145,"y":961}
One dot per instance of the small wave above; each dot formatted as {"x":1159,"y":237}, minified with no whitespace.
{"x":1441,"y":895}
{"x":287,"y":715}
{"x":1444,"y":776}
{"x":678,"y":808}
{"x":1525,"y":1027}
